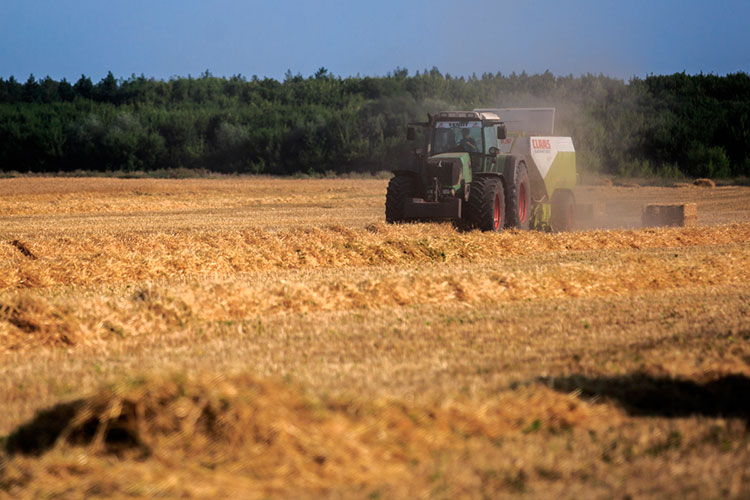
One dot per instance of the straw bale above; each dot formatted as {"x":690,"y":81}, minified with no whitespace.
{"x":704,"y":183}
{"x":685,"y":214}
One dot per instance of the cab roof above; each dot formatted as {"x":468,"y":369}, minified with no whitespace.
{"x":466,"y":115}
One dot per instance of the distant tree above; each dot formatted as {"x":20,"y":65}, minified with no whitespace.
{"x":10,"y":90}
{"x":83,"y":87}
{"x":65,"y":91}
{"x":106,"y":89}
{"x":49,"y":90}
{"x":31,"y":90}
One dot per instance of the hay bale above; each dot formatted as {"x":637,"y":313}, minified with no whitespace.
{"x":588,"y":211}
{"x":685,"y":214}
{"x":704,"y":183}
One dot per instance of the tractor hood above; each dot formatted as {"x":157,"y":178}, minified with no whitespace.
{"x":461,"y":157}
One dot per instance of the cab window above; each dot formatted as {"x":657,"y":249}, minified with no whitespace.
{"x":490,"y":139}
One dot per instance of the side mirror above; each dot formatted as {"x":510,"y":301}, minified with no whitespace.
{"x":501,"y":133}
{"x":494,"y":151}
{"x":411,"y":134}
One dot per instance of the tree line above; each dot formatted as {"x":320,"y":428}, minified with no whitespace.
{"x":668,"y":125}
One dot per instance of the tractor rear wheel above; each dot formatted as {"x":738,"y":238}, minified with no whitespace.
{"x":400,"y":188}
{"x":517,"y":196}
{"x":563,"y":211}
{"x":486,"y":207}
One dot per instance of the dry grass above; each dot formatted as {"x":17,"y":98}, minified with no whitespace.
{"x":250,"y":338}
{"x":31,"y":319}
{"x":81,"y":259}
{"x":272,"y":435}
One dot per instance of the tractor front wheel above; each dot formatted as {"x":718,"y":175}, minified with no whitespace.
{"x":400,"y":188}
{"x":486,"y":207}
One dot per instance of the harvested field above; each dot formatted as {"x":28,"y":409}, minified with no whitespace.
{"x":261,"y":338}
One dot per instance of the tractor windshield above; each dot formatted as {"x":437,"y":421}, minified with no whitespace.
{"x":457,"y":136}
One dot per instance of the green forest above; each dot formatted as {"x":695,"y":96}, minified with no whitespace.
{"x":670,"y":125}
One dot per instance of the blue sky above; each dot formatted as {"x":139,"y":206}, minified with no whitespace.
{"x":160,"y":39}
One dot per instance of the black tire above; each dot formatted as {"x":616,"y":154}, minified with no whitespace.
{"x":517,"y":196}
{"x":486,"y":206}
{"x":400,"y":188}
{"x":563,"y":211}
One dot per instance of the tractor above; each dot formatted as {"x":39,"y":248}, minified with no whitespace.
{"x":489,"y":169}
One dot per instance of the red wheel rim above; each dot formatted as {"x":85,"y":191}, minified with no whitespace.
{"x":522,"y":202}
{"x":497,"y":212}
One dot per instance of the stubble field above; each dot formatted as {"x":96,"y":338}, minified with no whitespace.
{"x":255,"y":338}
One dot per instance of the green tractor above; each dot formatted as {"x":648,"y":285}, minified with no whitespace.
{"x":490,"y":169}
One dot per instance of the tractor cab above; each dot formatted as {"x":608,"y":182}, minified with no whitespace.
{"x":460,"y":132}
{"x":458,"y":144}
